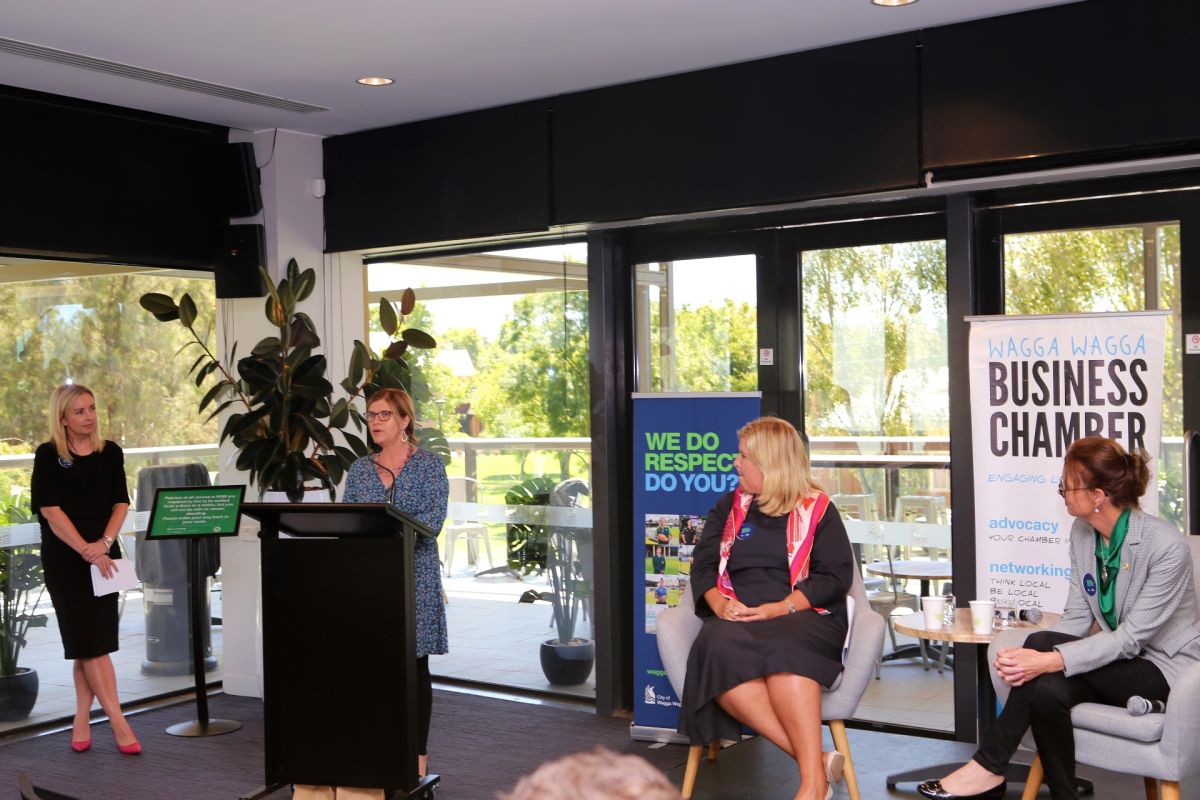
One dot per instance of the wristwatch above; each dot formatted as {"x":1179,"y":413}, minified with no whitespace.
{"x":790,"y":606}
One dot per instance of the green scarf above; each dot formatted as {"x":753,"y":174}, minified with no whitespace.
{"x":1110,"y":558}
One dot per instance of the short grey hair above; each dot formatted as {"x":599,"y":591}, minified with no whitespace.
{"x":598,"y":775}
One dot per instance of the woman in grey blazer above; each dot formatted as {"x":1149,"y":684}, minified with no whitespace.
{"x":1130,"y":627}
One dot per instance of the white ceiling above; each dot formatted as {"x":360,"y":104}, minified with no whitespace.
{"x":447,"y":56}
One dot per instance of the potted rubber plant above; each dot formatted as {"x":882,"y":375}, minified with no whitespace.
{"x":290,"y":431}
{"x":567,"y":659}
{"x":21,"y":589}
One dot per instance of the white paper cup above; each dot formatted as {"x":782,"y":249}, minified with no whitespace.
{"x":982,"y":613}
{"x":932,"y":606}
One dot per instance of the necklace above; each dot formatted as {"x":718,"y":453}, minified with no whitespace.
{"x":1103,"y":560}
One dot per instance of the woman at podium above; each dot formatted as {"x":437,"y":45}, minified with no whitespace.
{"x":414,"y":481}
{"x":79,"y":493}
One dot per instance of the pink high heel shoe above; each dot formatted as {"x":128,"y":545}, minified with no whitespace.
{"x":83,"y":746}
{"x":132,"y":749}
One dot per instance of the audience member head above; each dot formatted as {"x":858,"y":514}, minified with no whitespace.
{"x":598,"y":775}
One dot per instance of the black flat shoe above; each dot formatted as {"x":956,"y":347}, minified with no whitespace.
{"x":934,"y":791}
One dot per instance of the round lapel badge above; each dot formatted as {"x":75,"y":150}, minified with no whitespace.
{"x":745,"y":532}
{"x":1089,"y":584}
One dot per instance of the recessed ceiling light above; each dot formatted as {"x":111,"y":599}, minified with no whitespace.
{"x":891,"y":3}
{"x":375,"y":80}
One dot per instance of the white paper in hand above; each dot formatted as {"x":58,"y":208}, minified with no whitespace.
{"x":124,"y":577}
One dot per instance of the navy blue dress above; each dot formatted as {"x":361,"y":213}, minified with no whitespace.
{"x":421,"y":492}
{"x":86,"y":488}
{"x":806,"y":643}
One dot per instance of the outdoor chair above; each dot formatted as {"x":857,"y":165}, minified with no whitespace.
{"x":458,"y":527}
{"x":1160,"y":747}
{"x":678,"y":627}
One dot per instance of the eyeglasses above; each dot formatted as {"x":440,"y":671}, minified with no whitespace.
{"x":382,"y":416}
{"x":1062,"y":490}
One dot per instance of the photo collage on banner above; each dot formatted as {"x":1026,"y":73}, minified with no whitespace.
{"x":684,"y":446}
{"x":1037,"y":385}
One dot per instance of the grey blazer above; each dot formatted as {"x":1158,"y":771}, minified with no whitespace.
{"x":1157,"y":613}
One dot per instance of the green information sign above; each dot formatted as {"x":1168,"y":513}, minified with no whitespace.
{"x":196,"y":511}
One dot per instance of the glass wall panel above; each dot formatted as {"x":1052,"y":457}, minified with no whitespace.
{"x":89,"y":329}
{"x":1130,"y":268}
{"x":508,"y":384}
{"x":876,"y":391}
{"x":697,"y":325}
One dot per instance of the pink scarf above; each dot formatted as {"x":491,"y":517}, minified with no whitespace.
{"x":801,"y":530}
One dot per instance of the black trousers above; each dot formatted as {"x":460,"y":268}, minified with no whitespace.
{"x":424,"y":704}
{"x":1044,"y":704}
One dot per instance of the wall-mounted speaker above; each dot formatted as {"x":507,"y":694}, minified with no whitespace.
{"x":236,"y":175}
{"x":236,"y":268}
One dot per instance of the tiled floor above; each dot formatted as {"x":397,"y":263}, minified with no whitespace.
{"x":56,"y":692}
{"x":496,"y":639}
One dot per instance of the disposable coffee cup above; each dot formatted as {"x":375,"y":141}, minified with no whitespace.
{"x":982,"y":612}
{"x":932,"y":606}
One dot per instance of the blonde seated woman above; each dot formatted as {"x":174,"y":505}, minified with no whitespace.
{"x":770,"y":576}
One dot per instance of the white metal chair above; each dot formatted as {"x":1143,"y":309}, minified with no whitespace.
{"x":459,"y":527}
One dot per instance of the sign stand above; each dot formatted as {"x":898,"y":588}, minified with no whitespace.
{"x":194,"y":513}
{"x":202,"y":725}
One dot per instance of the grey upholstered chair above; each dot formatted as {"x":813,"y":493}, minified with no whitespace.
{"x":678,"y":627}
{"x":1160,"y":747}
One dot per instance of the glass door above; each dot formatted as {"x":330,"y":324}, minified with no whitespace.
{"x":876,"y":412}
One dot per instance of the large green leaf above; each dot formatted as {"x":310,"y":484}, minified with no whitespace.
{"x":257,"y":373}
{"x":387,"y":317}
{"x":213,"y":393}
{"x":305,"y":282}
{"x":267,"y":346}
{"x":160,"y":305}
{"x":304,"y":333}
{"x":187,"y":310}
{"x":418,"y":338}
{"x":408,"y":299}
{"x":358,"y":360}
{"x":319,"y":433}
{"x":395,"y":350}
{"x":340,"y":414}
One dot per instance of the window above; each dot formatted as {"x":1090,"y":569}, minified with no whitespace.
{"x":1126,"y":268}
{"x":508,"y":385}
{"x":89,"y":328}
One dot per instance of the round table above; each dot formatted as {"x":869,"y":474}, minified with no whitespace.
{"x":924,"y":571}
{"x":962,"y":632}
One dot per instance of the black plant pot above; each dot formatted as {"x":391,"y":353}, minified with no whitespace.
{"x":567,"y":664}
{"x":18,"y":693}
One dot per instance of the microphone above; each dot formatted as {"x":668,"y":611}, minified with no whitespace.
{"x":391,"y":495}
{"x":1140,"y":706}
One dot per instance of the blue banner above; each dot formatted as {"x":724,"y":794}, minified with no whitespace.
{"x":683,"y":451}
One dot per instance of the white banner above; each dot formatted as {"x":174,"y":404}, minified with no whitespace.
{"x":1037,"y":385}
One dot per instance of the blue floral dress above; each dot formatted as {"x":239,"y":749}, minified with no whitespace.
{"x":421,"y":492}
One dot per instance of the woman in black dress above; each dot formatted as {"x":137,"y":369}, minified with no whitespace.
{"x":770,"y":578}
{"x":81,"y":500}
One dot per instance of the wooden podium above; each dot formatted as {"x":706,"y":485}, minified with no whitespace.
{"x":339,"y":646}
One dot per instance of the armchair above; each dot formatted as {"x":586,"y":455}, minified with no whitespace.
{"x":1162,"y":748}
{"x":678,"y":627}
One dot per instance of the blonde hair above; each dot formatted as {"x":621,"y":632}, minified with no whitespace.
{"x":401,"y":404}
{"x":598,"y":775}
{"x":60,"y":403}
{"x":776,"y":449}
